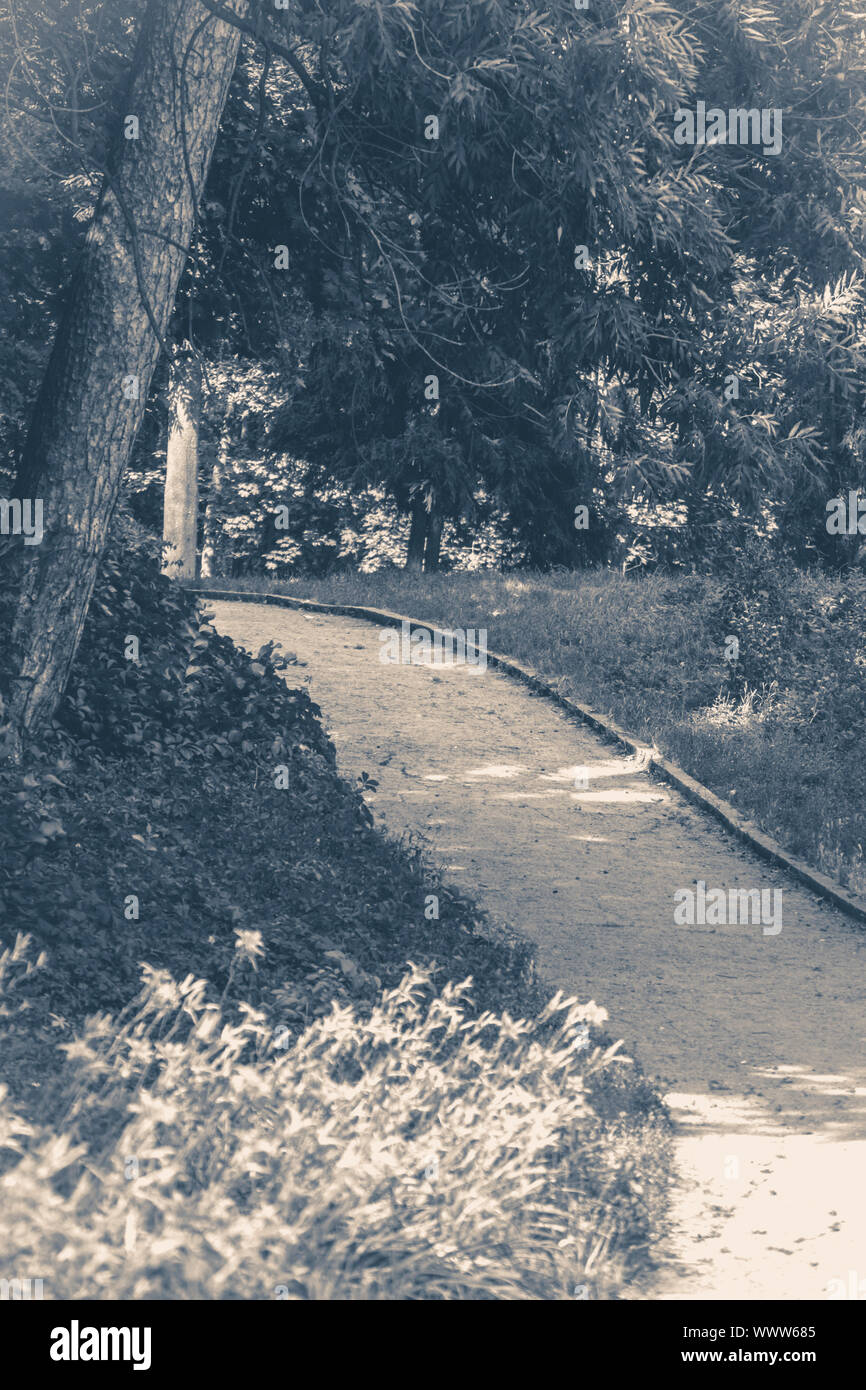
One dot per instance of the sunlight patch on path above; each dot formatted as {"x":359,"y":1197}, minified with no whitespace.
{"x":530,"y":796}
{"x":611,"y":767}
{"x":762,"y":1212}
{"x":495,"y":770}
{"x":619,"y":794}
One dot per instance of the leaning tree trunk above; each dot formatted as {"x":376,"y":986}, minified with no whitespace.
{"x":94,"y":392}
{"x":180,"y":506}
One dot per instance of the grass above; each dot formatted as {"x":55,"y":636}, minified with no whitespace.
{"x":416,"y":1151}
{"x":775,"y":732}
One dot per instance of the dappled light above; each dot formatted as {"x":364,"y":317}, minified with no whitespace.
{"x":530,"y":796}
{"x":495,"y":771}
{"x":623,"y":794}
{"x":611,"y":767}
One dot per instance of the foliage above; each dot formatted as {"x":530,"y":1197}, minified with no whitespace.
{"x":560,"y":386}
{"x":63,"y":62}
{"x":189,"y":692}
{"x":417,"y":1151}
{"x":801,"y":644}
{"x":754,"y":606}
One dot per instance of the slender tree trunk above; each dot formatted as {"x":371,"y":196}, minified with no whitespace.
{"x":417,"y":535}
{"x":180,"y":511}
{"x":434,"y":541}
{"x":210,"y":540}
{"x":94,"y":392}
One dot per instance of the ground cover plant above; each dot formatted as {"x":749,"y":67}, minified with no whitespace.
{"x":774,"y":728}
{"x":306,"y":1099}
{"x":417,"y":1150}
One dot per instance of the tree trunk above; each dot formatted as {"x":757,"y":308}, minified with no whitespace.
{"x":417,"y":535}
{"x":211,"y":538}
{"x":96,"y":384}
{"x":180,"y":513}
{"x":434,"y":541}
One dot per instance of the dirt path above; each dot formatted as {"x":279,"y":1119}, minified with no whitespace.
{"x":759,"y":1039}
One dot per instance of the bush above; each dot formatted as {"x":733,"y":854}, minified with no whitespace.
{"x":417,"y":1152}
{"x":756,"y":605}
{"x":190,"y":693}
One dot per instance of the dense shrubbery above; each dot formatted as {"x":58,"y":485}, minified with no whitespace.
{"x":416,"y":1151}
{"x":190,"y":691}
{"x":752,"y":606}
{"x":802,"y":643}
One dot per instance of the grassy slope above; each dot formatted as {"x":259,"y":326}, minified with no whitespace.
{"x":650,"y":652}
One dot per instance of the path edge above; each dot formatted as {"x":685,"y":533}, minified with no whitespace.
{"x":744,"y":829}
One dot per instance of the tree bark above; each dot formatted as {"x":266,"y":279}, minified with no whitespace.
{"x":94,"y":392}
{"x":180,"y":508}
{"x":434,"y":541}
{"x":211,"y":538}
{"x":417,"y":535}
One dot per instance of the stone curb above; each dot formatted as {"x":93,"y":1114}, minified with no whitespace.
{"x":700,"y":795}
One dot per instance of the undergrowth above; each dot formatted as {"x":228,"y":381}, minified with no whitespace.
{"x":418,"y":1150}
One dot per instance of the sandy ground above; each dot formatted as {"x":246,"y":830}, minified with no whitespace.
{"x":758,"y":1039}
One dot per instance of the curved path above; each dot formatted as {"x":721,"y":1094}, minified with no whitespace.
{"x":759,"y":1039}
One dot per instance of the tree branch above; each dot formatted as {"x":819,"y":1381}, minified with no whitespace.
{"x":316,"y":93}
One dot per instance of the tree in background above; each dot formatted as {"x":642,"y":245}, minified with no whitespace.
{"x":180,"y":517}
{"x":592,"y":298}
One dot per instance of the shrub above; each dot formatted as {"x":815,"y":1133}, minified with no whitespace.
{"x":756,"y":605}
{"x":414,"y":1153}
